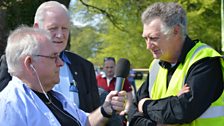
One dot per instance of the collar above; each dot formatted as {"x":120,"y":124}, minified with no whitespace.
{"x":64,"y":57}
{"x":188,"y":45}
{"x":103,"y":75}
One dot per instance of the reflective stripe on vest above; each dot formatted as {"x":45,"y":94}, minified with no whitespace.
{"x":212,"y":112}
{"x":152,"y":77}
{"x":192,"y":57}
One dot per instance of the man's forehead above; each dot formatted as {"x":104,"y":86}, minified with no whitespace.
{"x":47,"y":45}
{"x":151,"y":30}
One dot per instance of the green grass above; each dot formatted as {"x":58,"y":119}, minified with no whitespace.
{"x":139,"y":82}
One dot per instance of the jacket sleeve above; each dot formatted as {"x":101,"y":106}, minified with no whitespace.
{"x":206,"y":85}
{"x":94,"y":87}
{"x":5,"y":77}
{"x":136,"y":118}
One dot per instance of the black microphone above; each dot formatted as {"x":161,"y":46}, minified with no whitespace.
{"x":121,"y":72}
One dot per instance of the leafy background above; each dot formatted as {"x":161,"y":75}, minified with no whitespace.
{"x":102,"y":28}
{"x":118,"y":31}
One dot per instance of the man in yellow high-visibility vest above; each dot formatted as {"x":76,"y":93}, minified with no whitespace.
{"x":185,"y":81}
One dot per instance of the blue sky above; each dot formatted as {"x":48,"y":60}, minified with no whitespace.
{"x":77,"y":18}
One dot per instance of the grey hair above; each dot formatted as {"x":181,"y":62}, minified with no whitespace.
{"x":22,"y":42}
{"x":171,"y":14}
{"x":46,"y":7}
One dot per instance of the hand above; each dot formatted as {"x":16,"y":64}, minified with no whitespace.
{"x":140,"y":104}
{"x":125,"y":111}
{"x":115,"y":100}
{"x":185,"y":89}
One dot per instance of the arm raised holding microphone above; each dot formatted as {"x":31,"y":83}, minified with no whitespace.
{"x":115,"y":79}
{"x":121,"y":72}
{"x":28,"y":99}
{"x":115,"y":100}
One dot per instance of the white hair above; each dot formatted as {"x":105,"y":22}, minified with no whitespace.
{"x":46,"y":7}
{"x":170,"y":13}
{"x":21,"y":42}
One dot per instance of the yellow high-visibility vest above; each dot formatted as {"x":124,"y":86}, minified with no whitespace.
{"x":214,"y":115}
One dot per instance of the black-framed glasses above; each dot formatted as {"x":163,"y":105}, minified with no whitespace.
{"x":109,"y":58}
{"x":55,"y":57}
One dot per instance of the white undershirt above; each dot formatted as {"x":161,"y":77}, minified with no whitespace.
{"x":108,"y":81}
{"x":64,"y":84}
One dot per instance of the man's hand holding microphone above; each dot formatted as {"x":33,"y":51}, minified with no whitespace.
{"x":116,"y":100}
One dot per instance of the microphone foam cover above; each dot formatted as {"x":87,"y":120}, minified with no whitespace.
{"x":122,"y":68}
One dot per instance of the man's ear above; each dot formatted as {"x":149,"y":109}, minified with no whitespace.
{"x":27,"y":62}
{"x":176,"y":30}
{"x":35,"y":25}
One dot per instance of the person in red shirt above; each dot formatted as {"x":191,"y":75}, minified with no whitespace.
{"x":106,"y":82}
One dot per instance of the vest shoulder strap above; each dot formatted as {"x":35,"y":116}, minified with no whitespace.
{"x":154,"y":69}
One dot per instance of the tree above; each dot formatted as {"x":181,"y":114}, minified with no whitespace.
{"x":89,"y":41}
{"x":16,"y":12}
{"x":204,"y":21}
{"x":119,"y":29}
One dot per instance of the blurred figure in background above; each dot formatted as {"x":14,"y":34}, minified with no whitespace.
{"x":106,"y":83}
{"x":131,"y":79}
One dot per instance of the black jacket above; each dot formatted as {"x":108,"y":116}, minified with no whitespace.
{"x":4,"y":75}
{"x":84,"y":74}
{"x":205,"y":80}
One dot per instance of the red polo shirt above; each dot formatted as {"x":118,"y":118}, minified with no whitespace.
{"x":102,"y":83}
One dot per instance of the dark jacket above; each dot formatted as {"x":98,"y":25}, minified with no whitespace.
{"x":84,"y":74}
{"x":4,"y":75}
{"x":205,"y":80}
{"x":82,"y":71}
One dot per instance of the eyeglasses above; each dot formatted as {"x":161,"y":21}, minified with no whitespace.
{"x":109,"y":58}
{"x":55,"y":57}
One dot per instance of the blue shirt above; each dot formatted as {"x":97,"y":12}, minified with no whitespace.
{"x":66,"y":79}
{"x":20,"y":106}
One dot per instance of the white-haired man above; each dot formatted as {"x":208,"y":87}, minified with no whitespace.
{"x":28,"y":100}
{"x":77,"y":71}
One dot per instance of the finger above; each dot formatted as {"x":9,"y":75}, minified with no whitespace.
{"x":186,"y":85}
{"x":111,"y":95}
{"x":122,"y":113}
{"x":122,"y":93}
{"x":120,"y":103}
{"x":119,"y":98}
{"x":118,"y":107}
{"x":185,"y":91}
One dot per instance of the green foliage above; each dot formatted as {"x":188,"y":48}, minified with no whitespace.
{"x":85,"y":41}
{"x":16,"y":13}
{"x":118,"y":33}
{"x":204,"y":21}
{"x":23,"y":11}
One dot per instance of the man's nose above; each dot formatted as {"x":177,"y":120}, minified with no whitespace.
{"x":59,"y":33}
{"x":149,"y":44}
{"x":59,"y":62}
